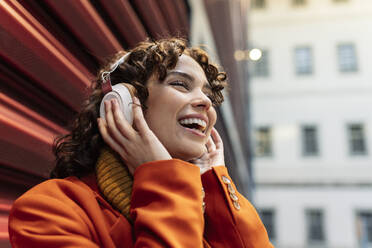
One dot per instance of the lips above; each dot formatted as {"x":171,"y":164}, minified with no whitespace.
{"x":194,"y":122}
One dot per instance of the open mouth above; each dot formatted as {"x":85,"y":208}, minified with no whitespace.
{"x":194,"y":123}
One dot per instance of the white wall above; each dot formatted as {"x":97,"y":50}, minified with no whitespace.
{"x":339,"y":206}
{"x":328,"y":99}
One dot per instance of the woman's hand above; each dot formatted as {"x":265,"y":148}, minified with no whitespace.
{"x":135,"y":146}
{"x":214,"y":154}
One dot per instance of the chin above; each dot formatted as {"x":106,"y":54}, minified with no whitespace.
{"x":188,"y":153}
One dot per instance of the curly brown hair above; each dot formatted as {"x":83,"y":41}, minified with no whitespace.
{"x":77,"y":152}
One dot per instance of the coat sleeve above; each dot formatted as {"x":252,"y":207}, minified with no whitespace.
{"x":38,"y":220}
{"x":230,"y":219}
{"x":166,"y":205}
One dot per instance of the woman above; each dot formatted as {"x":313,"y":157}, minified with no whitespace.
{"x":117,"y":185}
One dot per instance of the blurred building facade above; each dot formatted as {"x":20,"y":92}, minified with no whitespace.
{"x":311,"y":95}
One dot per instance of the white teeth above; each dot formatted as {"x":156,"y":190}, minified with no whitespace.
{"x":200,"y":122}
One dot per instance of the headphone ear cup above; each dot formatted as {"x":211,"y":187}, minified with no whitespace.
{"x":124,"y":98}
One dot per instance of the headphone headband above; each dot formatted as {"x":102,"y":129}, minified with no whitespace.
{"x":105,"y":76}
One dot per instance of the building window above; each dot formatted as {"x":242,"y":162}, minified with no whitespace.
{"x":298,"y":2}
{"x":259,"y":4}
{"x":268,"y":219}
{"x":347,"y":60}
{"x":309,"y":141}
{"x":364,"y":228}
{"x":303,"y":61}
{"x":260,"y":68}
{"x":357,"y":142}
{"x":315,"y":227}
{"x":263,"y":142}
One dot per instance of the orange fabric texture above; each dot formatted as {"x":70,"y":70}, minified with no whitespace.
{"x":166,"y":209}
{"x":225,"y":225}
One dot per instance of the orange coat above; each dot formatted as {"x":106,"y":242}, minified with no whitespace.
{"x":166,"y":207}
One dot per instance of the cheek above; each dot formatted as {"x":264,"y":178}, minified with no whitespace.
{"x":213,"y":116}
{"x":159,"y":117}
{"x":152,"y":116}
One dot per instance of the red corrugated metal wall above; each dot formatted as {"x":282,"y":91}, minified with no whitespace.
{"x":49,"y":53}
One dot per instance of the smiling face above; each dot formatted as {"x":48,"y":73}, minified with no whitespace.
{"x":179,"y":111}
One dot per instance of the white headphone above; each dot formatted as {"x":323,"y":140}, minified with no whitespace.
{"x":118,"y":91}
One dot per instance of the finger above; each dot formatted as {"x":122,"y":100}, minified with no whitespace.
{"x":121,"y":123}
{"x":210,"y":145}
{"x":111,"y":125}
{"x":217,"y":139}
{"x":102,"y":126}
{"x":138,"y":118}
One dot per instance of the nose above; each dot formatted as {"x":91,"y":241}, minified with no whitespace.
{"x":202,"y":101}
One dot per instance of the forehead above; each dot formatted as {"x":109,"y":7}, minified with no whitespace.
{"x":188,"y":65}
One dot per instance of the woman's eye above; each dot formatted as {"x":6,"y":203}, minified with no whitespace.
{"x":180,"y":84}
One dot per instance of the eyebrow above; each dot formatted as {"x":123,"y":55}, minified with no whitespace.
{"x":187,"y":76}
{"x":182,"y":74}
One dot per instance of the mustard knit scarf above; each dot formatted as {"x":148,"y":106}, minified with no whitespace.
{"x":114,"y":181}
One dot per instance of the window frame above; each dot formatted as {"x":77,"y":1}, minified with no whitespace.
{"x":358,"y":214}
{"x":299,"y":3}
{"x":264,"y":63}
{"x":313,"y":242}
{"x":269,"y":153}
{"x":305,"y":151}
{"x":351,"y":147}
{"x":344,"y":65}
{"x":272,"y":233}
{"x":262,"y":5}
{"x":309,"y":65}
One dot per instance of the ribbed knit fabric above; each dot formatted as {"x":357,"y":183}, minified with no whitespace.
{"x":114,"y":181}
